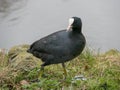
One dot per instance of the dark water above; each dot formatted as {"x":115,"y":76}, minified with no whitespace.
{"x":24,"y":21}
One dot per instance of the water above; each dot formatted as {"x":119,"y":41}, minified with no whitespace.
{"x":24,"y":21}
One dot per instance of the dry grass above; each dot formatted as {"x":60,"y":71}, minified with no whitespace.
{"x":3,"y":58}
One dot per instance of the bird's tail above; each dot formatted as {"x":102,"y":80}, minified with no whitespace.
{"x":28,"y":51}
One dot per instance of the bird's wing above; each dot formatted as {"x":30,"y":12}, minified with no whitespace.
{"x":51,"y":44}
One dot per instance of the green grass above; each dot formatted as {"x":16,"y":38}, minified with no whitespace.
{"x":101,"y":72}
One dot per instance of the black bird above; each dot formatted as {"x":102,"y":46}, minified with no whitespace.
{"x":61,"y":46}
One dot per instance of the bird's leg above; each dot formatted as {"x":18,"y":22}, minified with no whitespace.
{"x":41,"y":71}
{"x":64,"y":69}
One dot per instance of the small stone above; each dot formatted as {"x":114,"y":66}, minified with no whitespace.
{"x":24,"y":82}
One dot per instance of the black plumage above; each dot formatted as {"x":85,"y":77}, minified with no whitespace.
{"x":61,"y":46}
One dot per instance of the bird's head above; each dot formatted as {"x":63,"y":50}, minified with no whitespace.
{"x":75,"y":23}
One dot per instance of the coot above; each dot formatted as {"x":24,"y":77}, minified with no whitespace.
{"x":61,"y":46}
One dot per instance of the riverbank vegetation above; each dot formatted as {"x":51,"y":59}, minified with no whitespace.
{"x":19,"y":70}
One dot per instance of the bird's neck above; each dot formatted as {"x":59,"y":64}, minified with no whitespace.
{"x":76,"y":30}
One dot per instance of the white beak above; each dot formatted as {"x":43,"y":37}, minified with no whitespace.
{"x":69,"y":28}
